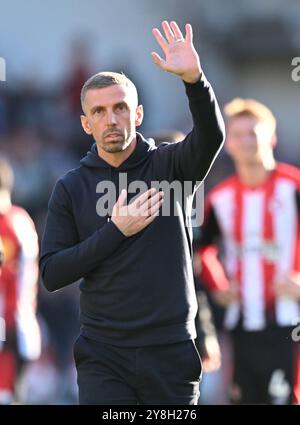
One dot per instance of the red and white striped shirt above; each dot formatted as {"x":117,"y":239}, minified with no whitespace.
{"x":260,"y":231}
{"x":18,"y":281}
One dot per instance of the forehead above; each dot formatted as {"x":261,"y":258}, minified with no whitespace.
{"x":109,"y":96}
{"x":242,"y":122}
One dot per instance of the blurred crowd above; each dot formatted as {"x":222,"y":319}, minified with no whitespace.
{"x":41,"y":137}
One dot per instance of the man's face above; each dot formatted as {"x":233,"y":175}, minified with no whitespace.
{"x":248,"y":139}
{"x":111,"y":117}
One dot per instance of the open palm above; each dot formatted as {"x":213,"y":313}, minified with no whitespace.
{"x":181,"y":57}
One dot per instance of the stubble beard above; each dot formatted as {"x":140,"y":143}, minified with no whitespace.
{"x":113,"y":147}
{"x":115,"y":144}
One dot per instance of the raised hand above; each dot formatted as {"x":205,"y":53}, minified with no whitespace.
{"x":181,"y":57}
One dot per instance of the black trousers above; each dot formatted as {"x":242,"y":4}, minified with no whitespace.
{"x":161,"y":374}
{"x":264,"y":366}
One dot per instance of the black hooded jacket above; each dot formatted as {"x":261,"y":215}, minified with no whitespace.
{"x":136,"y":290}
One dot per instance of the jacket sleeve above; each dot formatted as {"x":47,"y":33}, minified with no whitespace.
{"x":1,"y":254}
{"x":64,"y":258}
{"x":29,"y":337}
{"x":192,"y":158}
{"x":212,"y":273}
{"x":206,"y":331}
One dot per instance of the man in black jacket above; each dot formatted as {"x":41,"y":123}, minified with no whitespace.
{"x":138,"y":301}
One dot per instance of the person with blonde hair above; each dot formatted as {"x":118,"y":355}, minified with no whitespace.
{"x":256,"y":215}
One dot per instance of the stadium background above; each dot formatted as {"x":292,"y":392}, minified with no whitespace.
{"x":246,"y":49}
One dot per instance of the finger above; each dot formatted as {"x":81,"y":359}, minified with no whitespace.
{"x":154,"y":210}
{"x":148,"y":221}
{"x":146,"y":207}
{"x":121,"y":200}
{"x":143,"y":197}
{"x":168,"y":32}
{"x":189,"y":33}
{"x":153,"y":200}
{"x":160,"y":39}
{"x":158,"y":60}
{"x":176,"y":30}
{"x":153,"y":213}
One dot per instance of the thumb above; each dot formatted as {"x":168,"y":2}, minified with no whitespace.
{"x":158,"y":61}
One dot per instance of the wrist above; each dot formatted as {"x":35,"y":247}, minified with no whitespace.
{"x":115,"y":221}
{"x":192,"y":78}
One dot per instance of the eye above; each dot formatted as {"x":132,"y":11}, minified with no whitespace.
{"x":98,"y":111}
{"x":122,"y":107}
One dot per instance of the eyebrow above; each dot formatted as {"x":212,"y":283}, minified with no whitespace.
{"x":94,"y":108}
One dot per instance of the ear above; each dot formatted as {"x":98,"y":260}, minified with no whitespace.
{"x":227,"y":146}
{"x":139,"y":115}
{"x":274,"y":141}
{"x":85,"y":124}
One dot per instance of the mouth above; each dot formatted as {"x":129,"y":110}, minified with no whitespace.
{"x":113,"y":136}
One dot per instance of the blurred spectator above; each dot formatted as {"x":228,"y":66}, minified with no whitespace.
{"x":78,"y":72}
{"x":255,"y":213}
{"x":18,"y":289}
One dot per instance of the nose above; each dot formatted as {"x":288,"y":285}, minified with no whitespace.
{"x":111,"y":118}
{"x":249,"y":140}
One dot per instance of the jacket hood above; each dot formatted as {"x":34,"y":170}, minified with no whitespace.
{"x":142,"y":151}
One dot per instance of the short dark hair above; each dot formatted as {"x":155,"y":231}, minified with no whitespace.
{"x":106,"y":79}
{"x":6,"y":175}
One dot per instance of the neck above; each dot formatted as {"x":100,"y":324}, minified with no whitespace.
{"x":253,"y":174}
{"x":116,"y":159}
{"x":5,"y":201}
